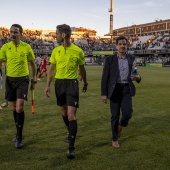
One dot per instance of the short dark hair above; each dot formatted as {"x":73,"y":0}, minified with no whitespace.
{"x":121,"y":38}
{"x":64,"y":29}
{"x":18,"y":26}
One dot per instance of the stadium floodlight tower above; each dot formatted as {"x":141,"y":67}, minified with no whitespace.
{"x":111,"y":17}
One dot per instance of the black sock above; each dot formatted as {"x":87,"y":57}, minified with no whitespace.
{"x":15,"y":120}
{"x":72,"y":133}
{"x":20,"y":123}
{"x":65,"y":119}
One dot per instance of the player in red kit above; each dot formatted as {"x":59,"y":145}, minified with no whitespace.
{"x":43,"y":67}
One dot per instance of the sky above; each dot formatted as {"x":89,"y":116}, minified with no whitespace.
{"x":90,"y":14}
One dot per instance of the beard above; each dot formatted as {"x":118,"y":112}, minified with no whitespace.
{"x":60,"y":41}
{"x":13,"y":38}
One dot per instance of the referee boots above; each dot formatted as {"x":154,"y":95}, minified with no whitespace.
{"x":70,"y":153}
{"x":18,"y":143}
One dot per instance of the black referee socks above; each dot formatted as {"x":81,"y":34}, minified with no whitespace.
{"x":72,"y":132}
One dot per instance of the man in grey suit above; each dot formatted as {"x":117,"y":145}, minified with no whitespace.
{"x":117,"y":86}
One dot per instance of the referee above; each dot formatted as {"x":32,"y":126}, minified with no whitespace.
{"x":17,"y":54}
{"x":66,"y":59}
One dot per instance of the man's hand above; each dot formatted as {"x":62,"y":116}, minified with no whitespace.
{"x":135,"y":78}
{"x":85,"y":87}
{"x":104,"y":99}
{"x":33,"y":82}
{"x":47,"y":91}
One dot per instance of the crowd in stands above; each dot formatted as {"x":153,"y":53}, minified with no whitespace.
{"x":34,"y":38}
{"x":166,"y":43}
{"x":136,"y":42}
{"x":41,"y":43}
{"x":143,"y":42}
{"x":93,"y":44}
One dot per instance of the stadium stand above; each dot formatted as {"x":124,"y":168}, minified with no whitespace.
{"x":141,"y":46}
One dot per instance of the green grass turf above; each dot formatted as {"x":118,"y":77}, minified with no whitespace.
{"x":145,"y":143}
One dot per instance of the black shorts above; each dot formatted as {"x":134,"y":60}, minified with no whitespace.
{"x":16,"y":88}
{"x":67,"y":92}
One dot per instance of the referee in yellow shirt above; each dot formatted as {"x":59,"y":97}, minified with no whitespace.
{"x":17,"y":54}
{"x":66,"y":59}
